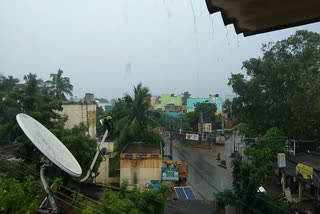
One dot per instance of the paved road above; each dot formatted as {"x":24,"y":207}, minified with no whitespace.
{"x":205,"y":176}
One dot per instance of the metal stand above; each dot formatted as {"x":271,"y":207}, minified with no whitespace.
{"x":45,"y":163}
{"x":95,"y":157}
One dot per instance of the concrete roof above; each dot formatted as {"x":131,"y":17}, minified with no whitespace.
{"x":137,"y":148}
{"x":252,"y":17}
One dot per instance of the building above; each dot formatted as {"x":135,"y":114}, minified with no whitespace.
{"x":205,"y":125}
{"x":152,"y":101}
{"x":191,"y":103}
{"x":172,"y":108}
{"x":103,"y":175}
{"x":108,"y":107}
{"x":301,"y":177}
{"x":89,"y":98}
{"x":141,"y":164}
{"x":168,"y":99}
{"x":81,"y":112}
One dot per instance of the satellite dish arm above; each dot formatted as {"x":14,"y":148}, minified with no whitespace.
{"x":47,"y":188}
{"x":96,"y":156}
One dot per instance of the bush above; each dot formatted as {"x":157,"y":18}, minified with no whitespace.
{"x":20,"y":197}
{"x":151,"y":137}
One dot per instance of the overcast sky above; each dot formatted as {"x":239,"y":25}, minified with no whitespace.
{"x":106,"y":47}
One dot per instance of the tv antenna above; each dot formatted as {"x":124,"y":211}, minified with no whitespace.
{"x":56,"y":152}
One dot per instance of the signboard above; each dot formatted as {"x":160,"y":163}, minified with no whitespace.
{"x":305,"y":171}
{"x":170,"y":174}
{"x":192,"y":137}
{"x":281,"y":160}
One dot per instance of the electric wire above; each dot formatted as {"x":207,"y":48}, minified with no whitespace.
{"x":64,"y":187}
{"x":21,"y":177}
{"x":214,"y":187}
{"x":97,"y":202}
{"x":200,"y":173}
{"x":194,"y":167}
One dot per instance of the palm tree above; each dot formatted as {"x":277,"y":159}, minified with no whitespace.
{"x":185,"y":97}
{"x":138,"y":116}
{"x":60,"y":86}
{"x":7,"y":83}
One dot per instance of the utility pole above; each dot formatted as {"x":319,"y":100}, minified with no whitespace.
{"x":234,"y":141}
{"x":171,"y":141}
{"x":201,"y":121}
{"x":180,"y":129}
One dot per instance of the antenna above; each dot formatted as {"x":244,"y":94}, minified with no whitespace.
{"x":52,"y":149}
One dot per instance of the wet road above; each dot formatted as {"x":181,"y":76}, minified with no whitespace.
{"x":205,"y":176}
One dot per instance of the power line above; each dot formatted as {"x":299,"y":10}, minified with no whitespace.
{"x":19,"y":177}
{"x":219,"y":191}
{"x":97,"y":202}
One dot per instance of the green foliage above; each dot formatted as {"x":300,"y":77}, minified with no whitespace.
{"x":185,"y":97}
{"x":247,"y":178}
{"x":150,"y":137}
{"x":282,"y":89}
{"x":57,"y":184}
{"x":132,"y":115}
{"x":207,"y":109}
{"x":245,"y":196}
{"x":80,"y":145}
{"x":225,"y":198}
{"x":84,"y":206}
{"x":27,"y":98}
{"x":148,"y":202}
{"x":20,"y":197}
{"x":266,"y":150}
{"x":60,"y":86}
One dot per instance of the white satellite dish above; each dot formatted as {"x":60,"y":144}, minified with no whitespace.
{"x":49,"y":145}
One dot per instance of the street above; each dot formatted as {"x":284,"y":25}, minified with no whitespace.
{"x":205,"y":176}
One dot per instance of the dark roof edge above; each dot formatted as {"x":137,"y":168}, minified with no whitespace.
{"x":226,"y":20}
{"x":280,"y":27}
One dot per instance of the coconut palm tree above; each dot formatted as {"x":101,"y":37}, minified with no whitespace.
{"x":138,"y":115}
{"x":60,"y":86}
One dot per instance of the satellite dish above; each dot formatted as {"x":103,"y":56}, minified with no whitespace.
{"x":49,"y":145}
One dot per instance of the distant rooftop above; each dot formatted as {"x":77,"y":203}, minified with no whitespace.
{"x":142,"y":149}
{"x":312,"y":160}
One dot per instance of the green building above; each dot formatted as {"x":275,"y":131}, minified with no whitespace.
{"x":169,"y":99}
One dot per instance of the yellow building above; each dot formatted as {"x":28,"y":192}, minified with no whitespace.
{"x":81,"y":113}
{"x":140,"y":164}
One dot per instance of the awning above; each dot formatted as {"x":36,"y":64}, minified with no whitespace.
{"x":255,"y":16}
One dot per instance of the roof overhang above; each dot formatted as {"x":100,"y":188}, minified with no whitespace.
{"x":252,"y":17}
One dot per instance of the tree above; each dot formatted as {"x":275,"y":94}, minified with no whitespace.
{"x":28,"y":99}
{"x":228,"y":108}
{"x":60,"y":86}
{"x":20,"y":196}
{"x":80,"y":145}
{"x":266,"y":150}
{"x":7,"y":84}
{"x":245,"y":196}
{"x":282,"y":89}
{"x":134,"y":114}
{"x":247,"y":178}
{"x":152,"y":201}
{"x":185,"y":97}
{"x":207,"y":110}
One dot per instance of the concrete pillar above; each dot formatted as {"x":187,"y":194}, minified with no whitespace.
{"x":283,"y":181}
{"x":300,"y":191}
